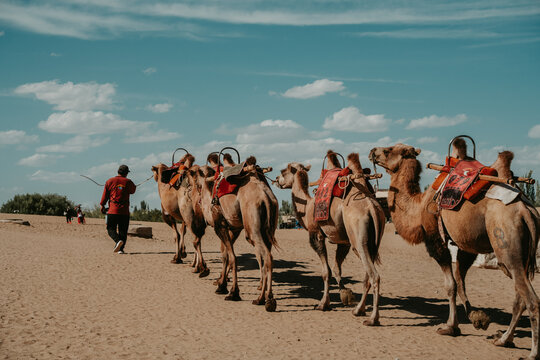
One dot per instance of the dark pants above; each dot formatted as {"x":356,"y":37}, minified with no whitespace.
{"x":117,"y":227}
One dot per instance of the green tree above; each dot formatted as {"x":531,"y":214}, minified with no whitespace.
{"x":286,"y":208}
{"x":38,"y":204}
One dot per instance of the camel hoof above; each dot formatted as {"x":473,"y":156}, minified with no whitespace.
{"x":507,"y":344}
{"x":176,"y":260}
{"x":479,"y":319}
{"x":346,"y":296}
{"x":183,"y":254}
{"x":259,"y":287}
{"x":370,"y":322}
{"x":204,"y":273}
{"x":322,"y":307}
{"x":196,"y":270}
{"x":496,"y":336}
{"x":233,"y":297}
{"x":359,"y":313}
{"x":449,"y":331}
{"x":222,"y":289}
{"x":270,"y":305}
{"x":258,"y":301}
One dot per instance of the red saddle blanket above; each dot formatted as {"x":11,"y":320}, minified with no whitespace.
{"x":222,"y":187}
{"x":462,"y":181}
{"x":328,"y":187}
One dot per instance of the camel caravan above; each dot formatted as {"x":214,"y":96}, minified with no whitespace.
{"x":475,"y":207}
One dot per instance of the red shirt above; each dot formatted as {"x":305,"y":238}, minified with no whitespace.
{"x":116,"y":192}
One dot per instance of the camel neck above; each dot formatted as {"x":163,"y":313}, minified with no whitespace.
{"x":300,"y":198}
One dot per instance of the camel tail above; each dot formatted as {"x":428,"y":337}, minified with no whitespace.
{"x":375,"y":241}
{"x":270,"y":224}
{"x":530,"y":256}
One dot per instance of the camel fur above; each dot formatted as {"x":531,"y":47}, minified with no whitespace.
{"x":483,"y":226}
{"x":356,"y":222}
{"x":176,"y":205}
{"x":254,"y":208}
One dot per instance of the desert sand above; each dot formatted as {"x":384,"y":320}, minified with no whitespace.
{"x":64,"y":294}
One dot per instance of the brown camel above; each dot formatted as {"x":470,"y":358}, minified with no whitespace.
{"x":252,"y":207}
{"x":482,"y":226}
{"x":177,"y":205}
{"x":356,"y":221}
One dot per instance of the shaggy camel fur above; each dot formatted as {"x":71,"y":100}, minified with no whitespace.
{"x":254,"y":208}
{"x":355,"y":221}
{"x":482,"y":226}
{"x":176,"y":205}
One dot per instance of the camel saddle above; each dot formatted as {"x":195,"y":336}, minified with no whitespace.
{"x":328,"y":188}
{"x":459,"y":180}
{"x":222,"y":186}
{"x":173,"y":177}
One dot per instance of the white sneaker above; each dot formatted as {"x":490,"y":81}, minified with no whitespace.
{"x":118,"y":245}
{"x":120,"y":252}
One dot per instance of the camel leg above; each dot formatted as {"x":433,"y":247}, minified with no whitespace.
{"x":270,"y":302}
{"x":441,"y":254}
{"x":234,"y":293}
{"x":169,"y":220}
{"x":317,"y":242}
{"x":360,"y":309}
{"x":346,"y":294}
{"x":221,"y":282}
{"x":506,"y":339}
{"x":261,"y":254}
{"x":261,"y":271}
{"x":464,"y":261}
{"x":201,"y":267}
{"x":360,"y":244}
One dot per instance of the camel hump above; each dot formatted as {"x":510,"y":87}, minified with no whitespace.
{"x":187,"y":160}
{"x":228,"y":160}
{"x":502,"y":164}
{"x":333,"y":161}
{"x":353,"y":163}
{"x":459,"y":149}
{"x":251,"y":160}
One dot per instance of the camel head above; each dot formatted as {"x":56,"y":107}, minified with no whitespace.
{"x":286,"y":179}
{"x":391,"y":157}
{"x":200,"y":175}
{"x":157,"y":170}
{"x":353,"y":163}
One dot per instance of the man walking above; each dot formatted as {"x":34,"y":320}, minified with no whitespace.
{"x":116,"y":192}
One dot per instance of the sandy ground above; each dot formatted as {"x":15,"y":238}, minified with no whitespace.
{"x":64,"y":294}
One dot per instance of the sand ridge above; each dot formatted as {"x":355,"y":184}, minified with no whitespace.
{"x":65,"y":295}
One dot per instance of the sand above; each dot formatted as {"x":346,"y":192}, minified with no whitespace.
{"x":65,"y":295}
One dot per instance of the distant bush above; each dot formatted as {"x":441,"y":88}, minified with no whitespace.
{"x":142,"y":214}
{"x":38,"y":204}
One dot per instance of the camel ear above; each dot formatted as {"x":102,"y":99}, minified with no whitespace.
{"x":154,"y":169}
{"x":418,"y":151}
{"x":307,"y":167}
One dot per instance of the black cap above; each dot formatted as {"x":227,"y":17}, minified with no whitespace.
{"x":123,"y":170}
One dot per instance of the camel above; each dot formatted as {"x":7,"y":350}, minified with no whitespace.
{"x":355,"y":221}
{"x":176,"y":205}
{"x":252,"y":207}
{"x":482,"y":226}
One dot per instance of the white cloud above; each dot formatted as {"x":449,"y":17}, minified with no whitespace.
{"x":89,"y":123}
{"x":431,"y":33}
{"x":14,"y":137}
{"x":427,"y":140}
{"x":535,"y":132}
{"x":53,"y":54}
{"x":55,"y":177}
{"x":2,"y":33}
{"x":350,"y":119}
{"x":159,"y":108}
{"x":314,"y":89}
{"x":280,"y":124}
{"x":70,"y":96}
{"x":150,"y":136}
{"x":76,"y":144}
{"x":435,"y":121}
{"x":149,"y":71}
{"x":37,"y":160}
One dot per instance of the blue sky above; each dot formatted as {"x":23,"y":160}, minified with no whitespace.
{"x":86,"y":85}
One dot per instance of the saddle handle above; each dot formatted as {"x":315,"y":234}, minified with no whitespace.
{"x":187,"y":152}
{"x":228,"y":148}
{"x":462,"y":136}
{"x":342,"y":160}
